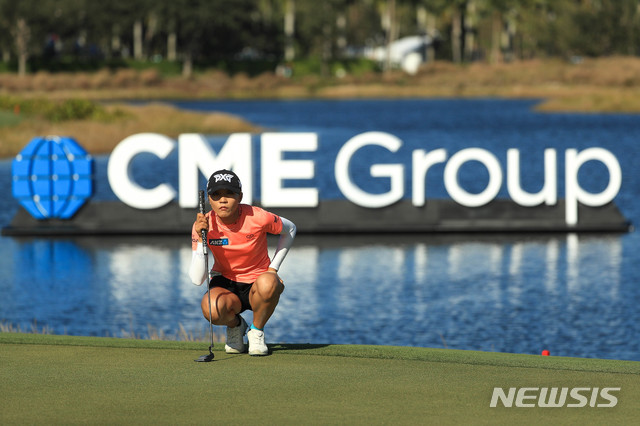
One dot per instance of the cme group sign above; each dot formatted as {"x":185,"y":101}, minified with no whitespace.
{"x":52,"y":176}
{"x":196,"y":157}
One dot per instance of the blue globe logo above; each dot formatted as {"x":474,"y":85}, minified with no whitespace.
{"x":52,"y":177}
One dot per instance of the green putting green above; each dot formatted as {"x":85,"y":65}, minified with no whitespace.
{"x":82,"y":380}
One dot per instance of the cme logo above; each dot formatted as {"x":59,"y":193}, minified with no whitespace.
{"x":52,"y":177}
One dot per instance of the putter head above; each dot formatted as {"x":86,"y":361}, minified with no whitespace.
{"x":206,"y":358}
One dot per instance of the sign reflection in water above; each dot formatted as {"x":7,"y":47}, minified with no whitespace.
{"x":496,"y":293}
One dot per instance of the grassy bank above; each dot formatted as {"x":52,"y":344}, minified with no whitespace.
{"x":600,"y":84}
{"x":593,"y":85}
{"x":68,"y":380}
{"x":100,"y":136}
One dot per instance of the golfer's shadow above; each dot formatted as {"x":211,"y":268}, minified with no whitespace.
{"x":220,"y":357}
{"x":295,"y":347}
{"x":273,"y":348}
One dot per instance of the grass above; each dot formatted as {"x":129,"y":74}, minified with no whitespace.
{"x":153,"y":333}
{"x":72,"y":380}
{"x":9,"y":118}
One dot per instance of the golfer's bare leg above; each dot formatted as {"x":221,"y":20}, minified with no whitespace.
{"x":264,"y":296}
{"x":225,"y":306}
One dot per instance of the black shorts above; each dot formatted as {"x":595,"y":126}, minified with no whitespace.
{"x":239,"y":289}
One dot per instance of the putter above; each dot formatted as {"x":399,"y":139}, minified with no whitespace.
{"x":208,"y":357}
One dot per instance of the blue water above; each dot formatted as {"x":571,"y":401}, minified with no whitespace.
{"x":576,"y":295}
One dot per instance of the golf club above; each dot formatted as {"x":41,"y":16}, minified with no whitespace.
{"x":208,"y":357}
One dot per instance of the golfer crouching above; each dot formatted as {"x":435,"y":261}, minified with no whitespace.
{"x":242,"y":277}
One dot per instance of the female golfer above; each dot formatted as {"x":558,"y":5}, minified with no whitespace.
{"x":243,"y":277}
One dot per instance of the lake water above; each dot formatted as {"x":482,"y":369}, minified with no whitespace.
{"x":576,"y":295}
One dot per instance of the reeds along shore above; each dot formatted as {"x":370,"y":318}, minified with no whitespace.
{"x":546,"y":78}
{"x":587,"y":85}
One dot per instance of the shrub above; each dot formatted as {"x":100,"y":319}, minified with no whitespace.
{"x":57,"y":111}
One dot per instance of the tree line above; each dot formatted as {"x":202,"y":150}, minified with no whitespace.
{"x":76,"y":34}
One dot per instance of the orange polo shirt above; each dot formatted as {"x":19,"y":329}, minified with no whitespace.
{"x":240,"y":250}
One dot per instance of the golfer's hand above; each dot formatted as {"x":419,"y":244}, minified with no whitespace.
{"x":201,"y":223}
{"x":277,"y":276}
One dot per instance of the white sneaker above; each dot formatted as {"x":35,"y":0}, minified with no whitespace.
{"x":235,"y":338}
{"x":257,"y":347}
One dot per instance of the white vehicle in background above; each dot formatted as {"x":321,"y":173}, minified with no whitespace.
{"x":407,"y":53}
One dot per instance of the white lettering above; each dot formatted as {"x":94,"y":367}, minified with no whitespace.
{"x":606,"y":394}
{"x":195,"y":157}
{"x":552,"y":401}
{"x":575,"y":394}
{"x":507,"y":400}
{"x":275,"y":169}
{"x":594,"y":397}
{"x":574,"y":194}
{"x":395,"y":172}
{"x":120,"y":176}
{"x":451,"y":177}
{"x":548,"y":193}
{"x":522,"y":395}
{"x":223,"y":177}
{"x":421,"y":162}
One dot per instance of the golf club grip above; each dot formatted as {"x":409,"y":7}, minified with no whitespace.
{"x":204,"y":232}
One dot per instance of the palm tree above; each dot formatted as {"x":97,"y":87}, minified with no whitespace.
{"x":289,"y":30}
{"x":504,"y":19}
{"x":428,"y":12}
